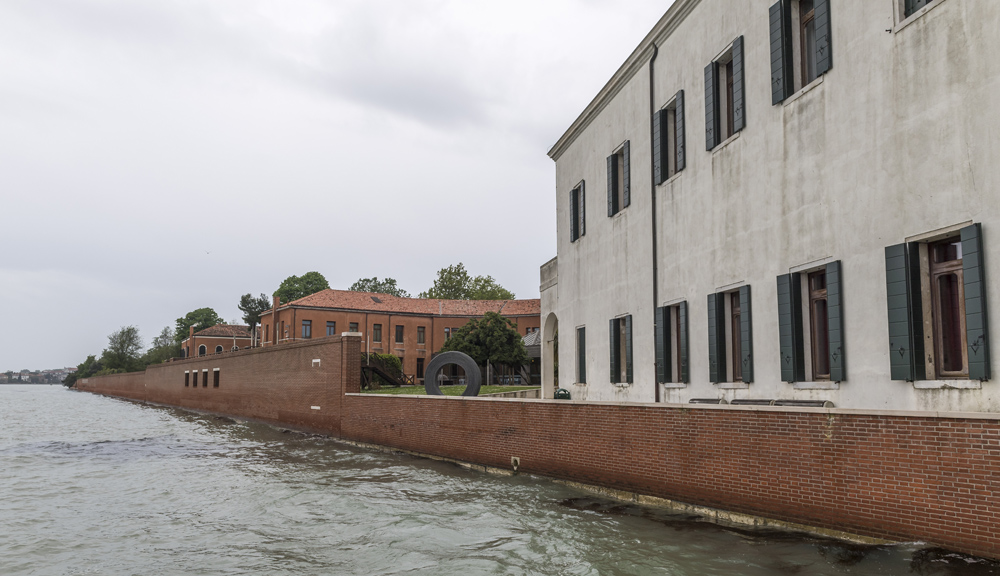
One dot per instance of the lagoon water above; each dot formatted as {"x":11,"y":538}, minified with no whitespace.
{"x":93,"y":485}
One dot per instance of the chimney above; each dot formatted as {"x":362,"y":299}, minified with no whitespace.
{"x":191,"y":332}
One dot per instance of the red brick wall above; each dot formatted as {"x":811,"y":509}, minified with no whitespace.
{"x":131,"y":385}
{"x":897,"y":477}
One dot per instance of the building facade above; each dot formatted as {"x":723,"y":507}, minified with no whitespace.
{"x":411,"y":328}
{"x":792,"y":201}
{"x":216,"y":340}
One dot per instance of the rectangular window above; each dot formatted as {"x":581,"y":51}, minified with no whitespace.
{"x":724,"y":96}
{"x":447,"y":333}
{"x":911,"y":6}
{"x":810,"y":325}
{"x":668,"y":139}
{"x":420,"y":368}
{"x":215,"y":378}
{"x":354,"y":326}
{"x":819,"y":332}
{"x":376,"y":332}
{"x":267,"y":333}
{"x":672,"y":344}
{"x":284,"y":331}
{"x":734,"y":319}
{"x":619,"y":177}
{"x":187,"y":378}
{"x":307,"y":329}
{"x":621,"y":350}
{"x":399,"y":333}
{"x":331,"y":328}
{"x":800,"y":45}
{"x":581,"y":355}
{"x":194,"y":379}
{"x":204,"y":378}
{"x":420,"y":335}
{"x":730,"y":336}
{"x":577,"y":213}
{"x":937,"y":308}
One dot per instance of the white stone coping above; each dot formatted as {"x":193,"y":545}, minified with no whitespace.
{"x":741,"y":408}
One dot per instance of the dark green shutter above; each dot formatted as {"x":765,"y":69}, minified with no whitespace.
{"x":574,"y":217}
{"x":976,"y":326}
{"x":682,"y":311}
{"x":615,"y":347}
{"x":739,"y":87}
{"x":746,"y":335}
{"x":662,"y":332}
{"x":659,"y":146}
{"x":835,"y":321}
{"x":712,"y":127}
{"x":583,"y":209}
{"x":612,"y":185}
{"x":581,"y":355}
{"x":716,"y":338}
{"x":781,"y":52}
{"x":824,"y":46}
{"x":906,"y":358}
{"x":628,"y":349}
{"x":626,"y":193}
{"x":790,"y":328}
{"x":679,"y":130}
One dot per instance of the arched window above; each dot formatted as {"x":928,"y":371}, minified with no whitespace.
{"x":184,"y":352}
{"x":218,"y":349}
{"x":235,"y":348}
{"x":202,"y":350}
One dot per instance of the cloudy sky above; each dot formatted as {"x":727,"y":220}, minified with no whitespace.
{"x":159,"y":156}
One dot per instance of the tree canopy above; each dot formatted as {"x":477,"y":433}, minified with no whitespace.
{"x":122,"y":353}
{"x":252,"y":308}
{"x":385,"y":286}
{"x":490,"y":338}
{"x":201,"y":318}
{"x":163,"y":348}
{"x":295,"y":287}
{"x":454,"y":283}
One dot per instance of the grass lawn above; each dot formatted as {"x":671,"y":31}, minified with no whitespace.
{"x":449,"y":390}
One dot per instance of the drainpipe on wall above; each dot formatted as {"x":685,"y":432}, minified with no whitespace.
{"x":652,"y":179}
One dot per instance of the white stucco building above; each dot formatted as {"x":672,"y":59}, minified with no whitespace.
{"x":793,"y":201}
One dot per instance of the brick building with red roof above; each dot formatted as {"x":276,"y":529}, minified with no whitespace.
{"x":215,"y":340}
{"x":411,"y":328}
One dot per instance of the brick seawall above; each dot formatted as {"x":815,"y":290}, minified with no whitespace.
{"x":900,"y":476}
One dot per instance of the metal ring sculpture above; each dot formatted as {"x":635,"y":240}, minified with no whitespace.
{"x":473,"y":379}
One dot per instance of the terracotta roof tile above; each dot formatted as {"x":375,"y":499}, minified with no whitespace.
{"x":367,"y":302}
{"x":227,"y":330}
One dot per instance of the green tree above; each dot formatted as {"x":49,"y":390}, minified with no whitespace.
{"x":252,"y":308}
{"x":454,"y":283}
{"x":201,"y":318}
{"x":373,"y":284}
{"x":163,"y":348}
{"x":86,"y":369}
{"x":295,"y":287}
{"x":122,"y":353}
{"x":491,"y":338}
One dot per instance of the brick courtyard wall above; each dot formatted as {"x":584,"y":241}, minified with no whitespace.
{"x":900,"y":476}
{"x":892,"y":476}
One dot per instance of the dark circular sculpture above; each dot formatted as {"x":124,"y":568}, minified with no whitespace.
{"x":473,"y":379}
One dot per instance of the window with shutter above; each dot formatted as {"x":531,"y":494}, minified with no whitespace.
{"x":577,"y":213}
{"x":790,"y":328}
{"x":801,"y":53}
{"x":902,"y":278}
{"x":977,"y":328}
{"x":668,"y":139}
{"x":671,"y":344}
{"x":621,"y":350}
{"x":581,"y":355}
{"x":745,"y":357}
{"x":614,"y":342}
{"x":716,"y":338}
{"x":725,"y":96}
{"x":619,"y":196}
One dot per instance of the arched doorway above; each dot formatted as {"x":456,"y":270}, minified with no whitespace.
{"x":550,"y":353}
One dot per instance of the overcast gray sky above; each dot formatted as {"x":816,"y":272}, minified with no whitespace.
{"x":158,"y":156}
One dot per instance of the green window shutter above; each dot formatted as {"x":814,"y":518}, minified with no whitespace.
{"x":976,"y":326}
{"x":628,"y":348}
{"x":679,"y":130}
{"x":746,"y":335}
{"x":583,"y":208}
{"x":612,"y":185}
{"x":790,"y":328}
{"x":835,"y":321}
{"x":662,"y":332}
{"x":682,"y":315}
{"x":906,"y":358}
{"x":574,"y":218}
{"x":659,"y":146}
{"x":712,"y":127}
{"x":615,"y":347}
{"x":780,"y":23}
{"x":739,"y":87}
{"x":626,"y":193}
{"x":716,"y":338}
{"x":581,"y":355}
{"x":824,"y":46}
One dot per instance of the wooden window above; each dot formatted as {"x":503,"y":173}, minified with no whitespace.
{"x":807,"y":41}
{"x":577,"y":213}
{"x":187,"y":379}
{"x":353,"y":326}
{"x":621,"y":350}
{"x":735,"y":339}
{"x":668,"y":139}
{"x":581,"y":355}
{"x":420,"y":368}
{"x":619,"y":194}
{"x":671,"y":343}
{"x":204,"y":378}
{"x":421,"y":335}
{"x":724,"y":96}
{"x":331,"y":328}
{"x":447,"y":333}
{"x":215,"y":378}
{"x":202,"y":350}
{"x":376,"y":332}
{"x":800,"y":45}
{"x":307,"y":329}
{"x":948,"y":308}
{"x":399,"y":333}
{"x":819,"y":333}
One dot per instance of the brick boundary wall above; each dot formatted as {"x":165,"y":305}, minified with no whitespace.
{"x":900,"y":476}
